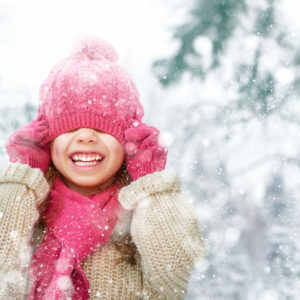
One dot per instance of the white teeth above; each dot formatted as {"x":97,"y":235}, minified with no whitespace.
{"x":81,"y":163}
{"x":86,"y":158}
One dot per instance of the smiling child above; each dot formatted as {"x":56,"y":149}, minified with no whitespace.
{"x":88,"y":210}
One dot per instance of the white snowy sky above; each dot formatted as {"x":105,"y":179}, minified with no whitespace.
{"x":35,"y":34}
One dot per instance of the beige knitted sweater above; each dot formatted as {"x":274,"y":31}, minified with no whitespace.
{"x":160,"y":219}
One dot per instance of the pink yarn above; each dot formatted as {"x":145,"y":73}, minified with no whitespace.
{"x":93,"y":48}
{"x":77,"y":225}
{"x":23,"y":145}
{"x":89,"y":89}
{"x":144,"y":151}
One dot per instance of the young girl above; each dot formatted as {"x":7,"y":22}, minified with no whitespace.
{"x":87,"y":209}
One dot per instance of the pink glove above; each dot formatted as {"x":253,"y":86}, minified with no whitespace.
{"x":23,"y":145}
{"x":143,"y":153}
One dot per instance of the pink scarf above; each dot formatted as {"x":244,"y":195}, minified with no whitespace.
{"x":77,"y":225}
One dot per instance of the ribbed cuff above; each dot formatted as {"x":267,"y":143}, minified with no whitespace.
{"x":35,"y":165}
{"x":147,"y":168}
{"x":106,"y":123}
{"x":164,"y":181}
{"x":24,"y":174}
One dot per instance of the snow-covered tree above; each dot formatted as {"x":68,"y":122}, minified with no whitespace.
{"x":232,"y":90}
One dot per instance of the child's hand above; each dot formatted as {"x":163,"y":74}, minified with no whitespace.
{"x":143,"y":152}
{"x":23,"y":145}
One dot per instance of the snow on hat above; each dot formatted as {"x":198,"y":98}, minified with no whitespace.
{"x":89,"y":89}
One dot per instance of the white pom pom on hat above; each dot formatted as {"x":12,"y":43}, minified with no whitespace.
{"x":93,"y":48}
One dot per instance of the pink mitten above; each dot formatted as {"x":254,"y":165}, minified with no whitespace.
{"x":23,"y":145}
{"x":143,"y":153}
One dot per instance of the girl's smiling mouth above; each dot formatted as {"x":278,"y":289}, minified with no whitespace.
{"x":86,"y":159}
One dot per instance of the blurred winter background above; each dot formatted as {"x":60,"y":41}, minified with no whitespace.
{"x":220,"y":79}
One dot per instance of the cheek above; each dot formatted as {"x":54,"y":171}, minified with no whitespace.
{"x":54,"y":154}
{"x":121,"y":153}
{"x":56,"y":150}
{"x":115,"y":148}
{"x":118,"y":151}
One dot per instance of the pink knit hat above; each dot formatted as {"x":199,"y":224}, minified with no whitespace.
{"x":89,"y":89}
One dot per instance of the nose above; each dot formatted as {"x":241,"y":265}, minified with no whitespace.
{"x":86,"y":135}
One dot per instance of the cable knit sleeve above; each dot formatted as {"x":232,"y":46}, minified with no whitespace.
{"x":165,"y":230}
{"x":21,"y":189}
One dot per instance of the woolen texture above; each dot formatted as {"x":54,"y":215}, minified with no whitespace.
{"x":89,"y":89}
{"x":163,"y":226}
{"x":77,"y":225}
{"x":144,"y":152}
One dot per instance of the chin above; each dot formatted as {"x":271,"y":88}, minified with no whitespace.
{"x":89,"y":184}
